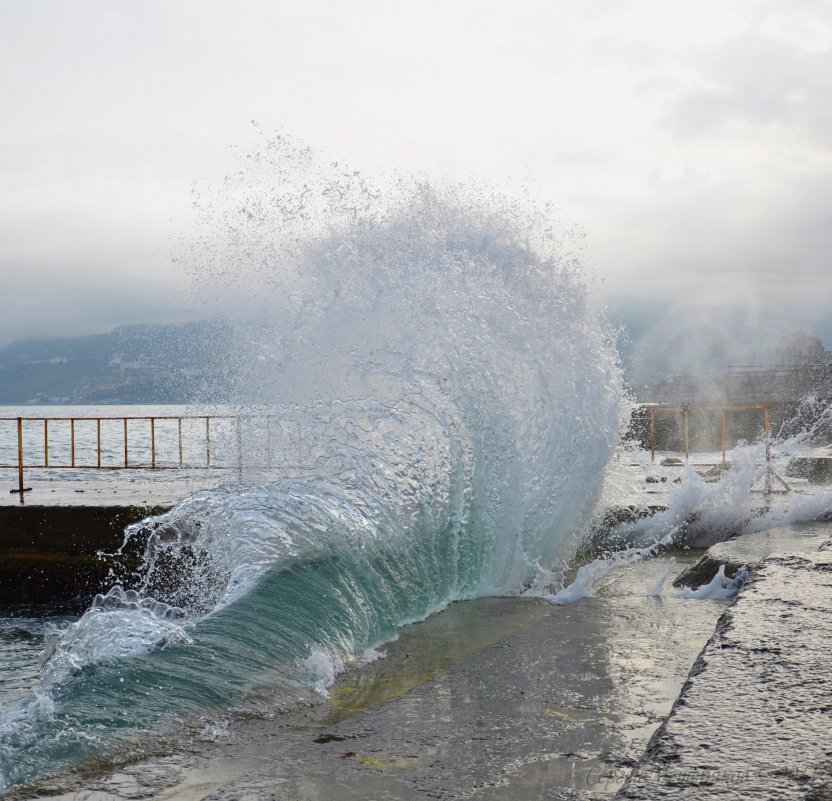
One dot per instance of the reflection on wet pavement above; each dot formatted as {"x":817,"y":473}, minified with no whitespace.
{"x":491,"y":699}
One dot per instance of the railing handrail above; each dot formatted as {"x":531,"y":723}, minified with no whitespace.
{"x":724,"y":410}
{"x":141,"y":417}
{"x":154,"y":464}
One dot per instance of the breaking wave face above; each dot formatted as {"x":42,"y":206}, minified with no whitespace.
{"x":438,"y":353}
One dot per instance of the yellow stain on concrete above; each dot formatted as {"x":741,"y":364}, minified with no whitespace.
{"x":382,"y":764}
{"x":556,"y":713}
{"x":350,"y":699}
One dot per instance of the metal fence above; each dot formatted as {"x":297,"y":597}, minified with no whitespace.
{"x":167,"y":442}
{"x":724,"y":411}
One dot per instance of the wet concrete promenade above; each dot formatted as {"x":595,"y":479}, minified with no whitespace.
{"x":497,"y":698}
{"x":754,"y":719}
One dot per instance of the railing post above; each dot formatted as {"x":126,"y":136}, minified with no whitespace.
{"x":126,"y":457}
{"x":20,"y":457}
{"x":45,"y":442}
{"x":207,"y":441}
{"x":179,"y":426}
{"x":687,"y":434}
{"x":72,"y":442}
{"x":20,"y":488}
{"x":98,"y":438}
{"x":153,"y":443}
{"x":767,"y":429}
{"x":653,"y":435}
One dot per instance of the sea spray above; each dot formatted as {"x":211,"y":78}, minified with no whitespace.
{"x":583,"y":585}
{"x":706,"y":509}
{"x":719,"y":587}
{"x":437,"y":353}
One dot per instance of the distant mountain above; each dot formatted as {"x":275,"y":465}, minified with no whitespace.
{"x":132,"y":364}
{"x":197,"y":362}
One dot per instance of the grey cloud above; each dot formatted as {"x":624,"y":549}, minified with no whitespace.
{"x":756,"y":241}
{"x":39,"y":300}
{"x":755,"y":80}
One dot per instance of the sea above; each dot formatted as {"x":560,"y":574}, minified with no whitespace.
{"x":411,"y":576}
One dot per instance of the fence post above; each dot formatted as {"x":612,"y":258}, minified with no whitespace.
{"x":653,"y":435}
{"x":20,"y":457}
{"x":767,"y":430}
{"x":20,"y":488}
{"x":153,"y":443}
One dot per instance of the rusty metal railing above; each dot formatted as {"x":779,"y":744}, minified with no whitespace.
{"x":206,"y":461}
{"x":724,"y":410}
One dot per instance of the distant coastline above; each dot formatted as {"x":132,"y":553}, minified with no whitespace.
{"x":138,"y":364}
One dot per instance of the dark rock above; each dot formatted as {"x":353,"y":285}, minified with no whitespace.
{"x":600,"y":538}
{"x":816,"y":470}
{"x":704,"y":570}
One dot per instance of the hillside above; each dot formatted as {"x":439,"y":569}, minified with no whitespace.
{"x":132,"y":364}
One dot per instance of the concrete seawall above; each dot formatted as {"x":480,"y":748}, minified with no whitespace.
{"x":49,"y":554}
{"x":49,"y":544}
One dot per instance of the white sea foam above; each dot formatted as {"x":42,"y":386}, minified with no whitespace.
{"x":718,"y":587}
{"x":321,"y":670}
{"x":118,"y":625}
{"x":702,"y":510}
{"x":214,"y":730}
{"x":371,"y":655}
{"x":583,"y":585}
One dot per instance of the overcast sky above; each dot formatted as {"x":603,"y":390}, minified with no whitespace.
{"x":692,"y":142}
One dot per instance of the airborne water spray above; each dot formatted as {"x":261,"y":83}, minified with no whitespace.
{"x":438,"y":352}
{"x":704,"y":510}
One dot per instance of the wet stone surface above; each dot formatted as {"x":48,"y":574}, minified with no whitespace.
{"x":490,"y":699}
{"x":751,"y":550}
{"x":755,"y":718}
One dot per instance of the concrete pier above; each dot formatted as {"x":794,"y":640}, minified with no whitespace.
{"x":49,"y":555}
{"x":50,"y":542}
